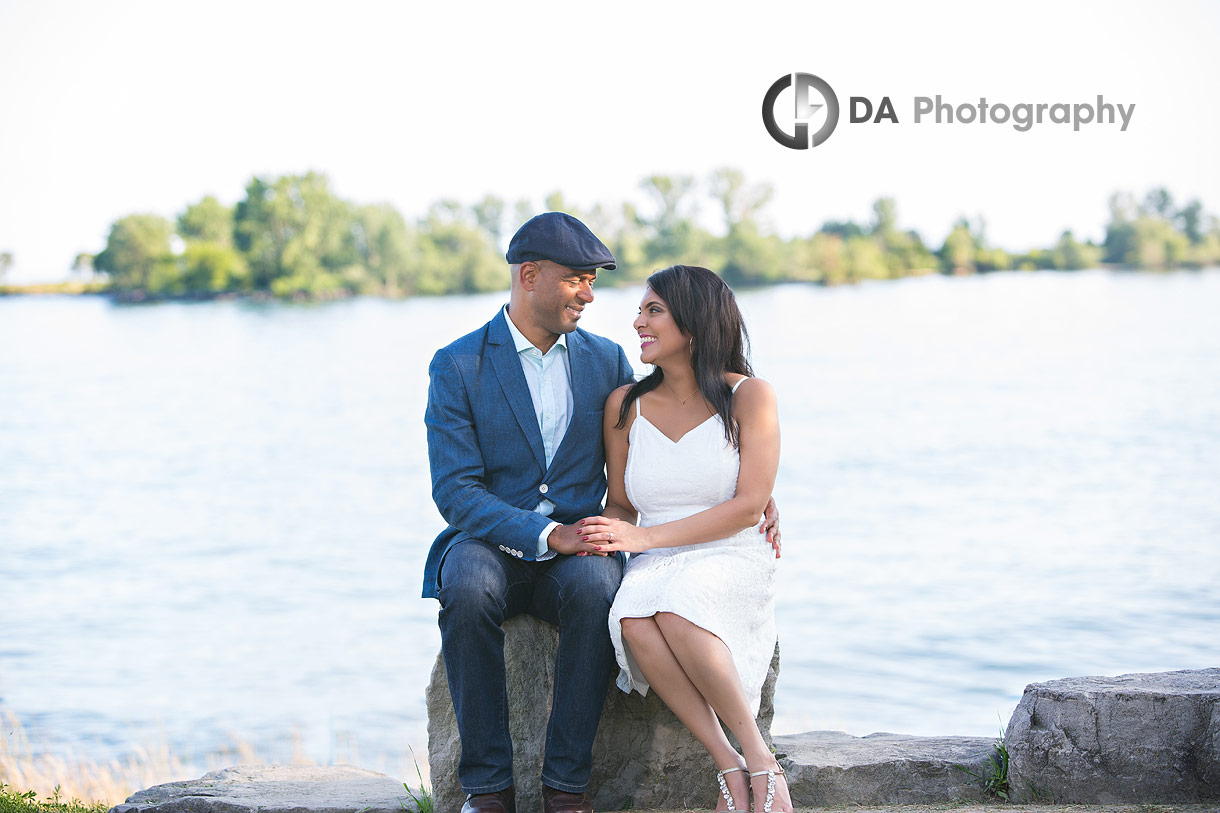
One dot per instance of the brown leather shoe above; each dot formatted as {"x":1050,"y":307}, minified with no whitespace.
{"x":557,"y":801}
{"x":502,"y":801}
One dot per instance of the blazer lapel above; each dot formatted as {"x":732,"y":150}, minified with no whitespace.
{"x":507,"y":366}
{"x":578,"y":371}
{"x":579,"y":359}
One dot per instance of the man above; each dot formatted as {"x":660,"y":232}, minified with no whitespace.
{"x":514,"y":442}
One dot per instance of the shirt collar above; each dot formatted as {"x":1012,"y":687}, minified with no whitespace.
{"x":523,"y":343}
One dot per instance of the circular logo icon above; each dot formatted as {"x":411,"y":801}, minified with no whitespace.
{"x":801,"y":83}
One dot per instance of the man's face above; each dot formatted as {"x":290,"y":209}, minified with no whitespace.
{"x":559,"y":295}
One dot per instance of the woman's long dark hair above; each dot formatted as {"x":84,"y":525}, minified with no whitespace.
{"x":704,"y":308}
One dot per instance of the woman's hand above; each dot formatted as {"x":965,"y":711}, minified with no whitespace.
{"x":770,"y":525}
{"x":610,"y":535}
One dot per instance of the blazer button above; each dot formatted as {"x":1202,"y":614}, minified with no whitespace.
{"x":544,"y":488}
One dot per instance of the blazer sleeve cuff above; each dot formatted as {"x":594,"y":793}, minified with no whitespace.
{"x":544,"y":551}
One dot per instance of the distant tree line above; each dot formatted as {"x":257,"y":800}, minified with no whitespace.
{"x":292,"y":237}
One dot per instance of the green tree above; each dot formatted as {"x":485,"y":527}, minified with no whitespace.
{"x":1039,"y":258}
{"x":992,"y":259}
{"x":6,"y":262}
{"x":826,"y":258}
{"x":1158,"y":245}
{"x":957,"y":253}
{"x":865,"y":259}
{"x":885,"y":218}
{"x":1153,"y":234}
{"x":1190,"y":220}
{"x":1158,"y":202}
{"x":456,"y":256}
{"x":628,"y":241}
{"x":210,"y":268}
{"x":671,"y":227}
{"x":386,"y":248}
{"x":749,"y":256}
{"x":1070,"y":254}
{"x":842,"y":228}
{"x":739,"y":201}
{"x":1119,"y":243}
{"x":746,"y":254}
{"x":904,"y":251}
{"x":296,"y":235}
{"x":82,"y":264}
{"x":208,"y":220}
{"x":137,"y":256}
{"x":489,"y":215}
{"x":1206,"y":252}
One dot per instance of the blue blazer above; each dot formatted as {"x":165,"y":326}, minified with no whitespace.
{"x":489,"y":470}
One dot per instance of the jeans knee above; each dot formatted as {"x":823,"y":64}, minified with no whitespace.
{"x":593,"y":591}
{"x":470,"y":592}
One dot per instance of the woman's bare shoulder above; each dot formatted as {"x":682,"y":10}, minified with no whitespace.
{"x":614,"y":406}
{"x":615,"y":399}
{"x":752,"y":393}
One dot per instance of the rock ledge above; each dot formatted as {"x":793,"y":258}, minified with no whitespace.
{"x":833,"y":768}
{"x":276,"y":789}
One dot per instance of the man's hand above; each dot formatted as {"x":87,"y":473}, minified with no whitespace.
{"x":770,"y":525}
{"x":566,"y":539}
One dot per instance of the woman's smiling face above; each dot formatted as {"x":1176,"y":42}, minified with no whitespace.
{"x":659,"y":333}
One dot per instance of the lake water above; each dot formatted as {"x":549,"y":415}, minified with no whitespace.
{"x":214,"y":516}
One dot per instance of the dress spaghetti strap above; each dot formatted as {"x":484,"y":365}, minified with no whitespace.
{"x":740,"y":381}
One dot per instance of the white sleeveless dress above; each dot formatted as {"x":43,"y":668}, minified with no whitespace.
{"x":725,"y":586}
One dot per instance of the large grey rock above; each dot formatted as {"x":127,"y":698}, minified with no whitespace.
{"x":828,"y":768}
{"x":643,"y":756}
{"x":276,"y":789}
{"x":1127,"y":739}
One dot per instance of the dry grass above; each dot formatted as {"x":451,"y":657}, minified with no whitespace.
{"x":80,"y":778}
{"x":110,"y":781}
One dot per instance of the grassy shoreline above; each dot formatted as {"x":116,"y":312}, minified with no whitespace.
{"x":73,"y":288}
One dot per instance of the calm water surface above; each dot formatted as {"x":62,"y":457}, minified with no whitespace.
{"x":214,"y":517}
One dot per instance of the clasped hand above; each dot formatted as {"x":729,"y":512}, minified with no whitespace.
{"x":609,"y":535}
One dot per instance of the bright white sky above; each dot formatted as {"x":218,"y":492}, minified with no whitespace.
{"x":108,"y":109}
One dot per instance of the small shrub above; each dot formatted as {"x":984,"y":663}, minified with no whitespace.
{"x":995,"y":772}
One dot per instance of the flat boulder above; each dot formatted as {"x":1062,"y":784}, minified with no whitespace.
{"x":276,"y":789}
{"x":830,"y":768}
{"x":1137,"y":738}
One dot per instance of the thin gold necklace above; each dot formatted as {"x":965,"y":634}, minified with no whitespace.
{"x":681,"y":400}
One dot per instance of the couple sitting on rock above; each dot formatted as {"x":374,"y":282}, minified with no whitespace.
{"x":532,"y":423}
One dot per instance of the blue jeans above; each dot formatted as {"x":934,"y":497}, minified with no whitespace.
{"x":481,"y":588}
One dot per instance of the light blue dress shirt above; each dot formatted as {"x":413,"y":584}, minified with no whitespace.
{"x":547,"y":375}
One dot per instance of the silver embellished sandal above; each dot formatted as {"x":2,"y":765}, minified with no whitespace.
{"x":724,"y":789}
{"x":766,"y":808}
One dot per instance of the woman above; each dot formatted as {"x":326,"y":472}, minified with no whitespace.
{"x":694,"y":448}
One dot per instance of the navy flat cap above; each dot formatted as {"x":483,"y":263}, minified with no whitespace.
{"x":562,"y":239}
